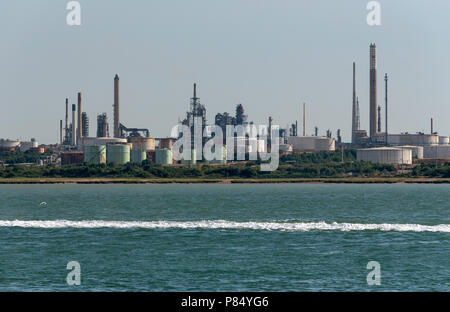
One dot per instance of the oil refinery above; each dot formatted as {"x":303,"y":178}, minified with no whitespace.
{"x":121,"y":144}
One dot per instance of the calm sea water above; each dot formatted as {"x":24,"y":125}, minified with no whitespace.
{"x":283,"y":237}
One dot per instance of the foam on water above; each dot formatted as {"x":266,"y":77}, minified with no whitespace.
{"x":227,"y":225}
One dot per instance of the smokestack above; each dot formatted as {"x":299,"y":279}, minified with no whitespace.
{"x":358,"y":124}
{"x":296,"y":128}
{"x":354,"y":107}
{"x":79,"y":134}
{"x":66,"y":130}
{"x":74,"y":134}
{"x":270,"y":129}
{"x":304,"y":119}
{"x":60,"y":132}
{"x":373,"y":90}
{"x":379,"y":118}
{"x":386,"y":105}
{"x":116,"y":106}
{"x":432,"y":130}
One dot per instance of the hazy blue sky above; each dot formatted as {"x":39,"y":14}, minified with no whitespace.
{"x":269,"y":55}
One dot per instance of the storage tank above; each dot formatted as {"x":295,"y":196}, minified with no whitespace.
{"x":142,"y":144}
{"x":95,"y":154}
{"x":7,"y":145}
{"x":25,"y":146}
{"x":166,"y":143}
{"x":91,"y":141}
{"x":193,"y":160}
{"x":301,"y":143}
{"x":151,"y":155}
{"x":413,"y":139}
{"x":222,"y":159}
{"x":118,"y":154}
{"x":163,"y":156}
{"x":138,"y":157}
{"x":324,"y":144}
{"x":385,"y":155}
{"x":436,"y":152}
{"x":417,"y":151}
{"x":444,"y":140}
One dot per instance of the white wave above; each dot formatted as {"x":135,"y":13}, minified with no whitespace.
{"x":227,"y":225}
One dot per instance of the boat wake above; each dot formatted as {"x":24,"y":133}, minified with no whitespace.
{"x":227,"y":225}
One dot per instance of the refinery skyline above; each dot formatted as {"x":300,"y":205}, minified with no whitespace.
{"x":272,"y":72}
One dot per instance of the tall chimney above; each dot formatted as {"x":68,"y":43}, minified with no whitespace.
{"x":79,"y":136}
{"x":354,"y":108}
{"x":116,"y":106}
{"x":432,"y":130}
{"x":304,"y":119}
{"x":386,"y":105}
{"x":66,"y":129}
{"x":373,"y":91}
{"x":74,"y":134}
{"x":270,"y":129}
{"x":60,"y":132}
{"x":379,"y":119}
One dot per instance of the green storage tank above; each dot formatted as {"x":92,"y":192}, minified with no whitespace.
{"x":223,"y":158}
{"x":95,"y":154}
{"x":118,"y":154}
{"x":138,"y":157}
{"x":164,"y":156}
{"x":193,"y":160}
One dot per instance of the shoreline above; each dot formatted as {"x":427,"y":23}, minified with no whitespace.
{"x":223,"y":181}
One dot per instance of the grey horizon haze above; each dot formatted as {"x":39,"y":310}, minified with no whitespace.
{"x":271,"y":56}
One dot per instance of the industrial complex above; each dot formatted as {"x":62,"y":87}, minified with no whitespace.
{"x":121,"y":144}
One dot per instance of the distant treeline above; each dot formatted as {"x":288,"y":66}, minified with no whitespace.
{"x":29,"y":156}
{"x":305,"y":165}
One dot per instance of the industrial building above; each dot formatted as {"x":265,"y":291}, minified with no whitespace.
{"x":385,"y":155}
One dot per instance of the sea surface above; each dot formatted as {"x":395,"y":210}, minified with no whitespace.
{"x":220,"y":237}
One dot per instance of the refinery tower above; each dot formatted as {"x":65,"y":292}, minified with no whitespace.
{"x":373,"y":91}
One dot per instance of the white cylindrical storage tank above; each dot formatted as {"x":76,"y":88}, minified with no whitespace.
{"x":437,"y":152}
{"x":385,"y":155}
{"x":25,"y":146}
{"x":417,"y":151}
{"x":324,"y":144}
{"x":302,"y":143}
{"x":444,"y":140}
